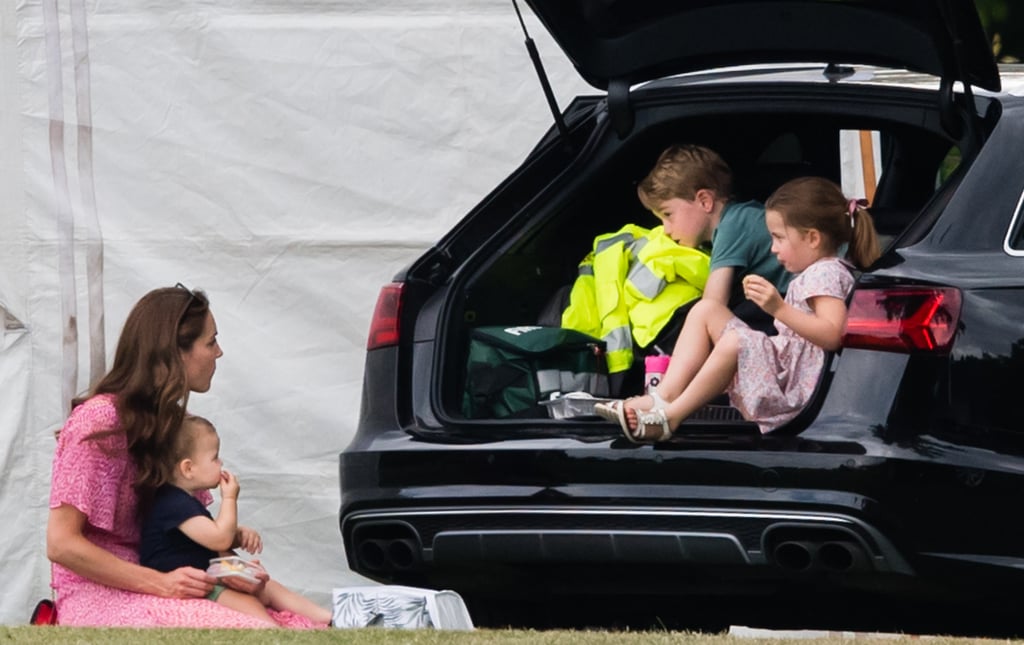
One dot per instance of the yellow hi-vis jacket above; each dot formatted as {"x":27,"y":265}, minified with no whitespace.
{"x":629,"y":287}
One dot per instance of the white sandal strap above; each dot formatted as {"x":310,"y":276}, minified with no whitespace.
{"x":658,"y":401}
{"x":653,"y":418}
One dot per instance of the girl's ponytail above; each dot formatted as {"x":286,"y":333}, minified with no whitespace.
{"x":863,"y":249}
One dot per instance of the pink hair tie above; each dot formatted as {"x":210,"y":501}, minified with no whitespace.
{"x":853,"y":205}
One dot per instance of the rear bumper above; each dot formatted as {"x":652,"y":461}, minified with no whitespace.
{"x":406,"y":542}
{"x":477,"y":518}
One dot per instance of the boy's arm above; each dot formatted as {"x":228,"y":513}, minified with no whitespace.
{"x":719,"y":285}
{"x":215,"y":534}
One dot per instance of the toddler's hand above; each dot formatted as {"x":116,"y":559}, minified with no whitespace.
{"x":229,"y":487}
{"x":762,"y":293}
{"x":249,"y":540}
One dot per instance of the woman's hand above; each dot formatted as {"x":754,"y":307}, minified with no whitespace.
{"x":762,"y":293}
{"x":186,"y":582}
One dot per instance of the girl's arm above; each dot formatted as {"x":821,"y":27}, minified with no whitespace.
{"x":824,"y":327}
{"x":67,"y":546}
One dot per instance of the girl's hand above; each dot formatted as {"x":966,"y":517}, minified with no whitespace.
{"x":186,"y":582}
{"x":762,"y":293}
{"x":229,"y":487}
{"x":249,"y":540}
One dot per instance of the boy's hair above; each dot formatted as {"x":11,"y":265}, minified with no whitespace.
{"x":818,"y":203}
{"x":683,"y":169}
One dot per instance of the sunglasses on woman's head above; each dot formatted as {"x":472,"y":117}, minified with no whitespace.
{"x":191,"y":296}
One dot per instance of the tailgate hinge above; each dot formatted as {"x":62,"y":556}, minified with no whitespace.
{"x":619,"y":109}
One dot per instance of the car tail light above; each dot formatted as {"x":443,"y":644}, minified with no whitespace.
{"x":903,"y":319}
{"x":384,"y":326}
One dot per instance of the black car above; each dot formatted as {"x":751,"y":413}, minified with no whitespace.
{"x":893,"y":501}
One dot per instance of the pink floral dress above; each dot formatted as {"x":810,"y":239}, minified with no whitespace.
{"x":776,"y":375}
{"x":95,"y":476}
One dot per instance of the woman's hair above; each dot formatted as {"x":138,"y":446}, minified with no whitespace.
{"x":683,"y":169}
{"x":818,"y":203}
{"x":148,"y":376}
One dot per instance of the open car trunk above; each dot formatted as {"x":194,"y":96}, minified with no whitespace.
{"x":533,"y":231}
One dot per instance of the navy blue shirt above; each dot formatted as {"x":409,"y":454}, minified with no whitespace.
{"x":163,"y":546}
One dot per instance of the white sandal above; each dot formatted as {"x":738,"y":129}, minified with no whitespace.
{"x":614,"y":411}
{"x":648,"y":424}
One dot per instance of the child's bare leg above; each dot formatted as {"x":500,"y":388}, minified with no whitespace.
{"x":281,"y":598}
{"x":245,"y":603}
{"x":703,"y":327}
{"x":711,"y":380}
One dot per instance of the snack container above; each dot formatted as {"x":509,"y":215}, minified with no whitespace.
{"x":234,"y":566}
{"x":572,"y":405}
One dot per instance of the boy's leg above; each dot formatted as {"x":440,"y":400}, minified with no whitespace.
{"x":245,"y":603}
{"x":281,"y":598}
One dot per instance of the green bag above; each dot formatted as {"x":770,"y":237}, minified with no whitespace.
{"x":511,"y":369}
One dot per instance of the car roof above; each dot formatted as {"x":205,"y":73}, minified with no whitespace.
{"x":632,"y":41}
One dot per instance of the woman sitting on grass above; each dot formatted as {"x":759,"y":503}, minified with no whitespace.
{"x":168,"y":348}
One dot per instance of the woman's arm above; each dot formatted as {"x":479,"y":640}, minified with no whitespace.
{"x":67,"y":546}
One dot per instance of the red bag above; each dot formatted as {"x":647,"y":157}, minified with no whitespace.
{"x":45,"y":613}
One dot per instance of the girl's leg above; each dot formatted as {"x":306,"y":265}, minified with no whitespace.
{"x":703,"y":327}
{"x":281,"y":598}
{"x":710,"y":380}
{"x":245,"y":603}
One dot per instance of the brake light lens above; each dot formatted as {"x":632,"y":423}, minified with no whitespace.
{"x":384,"y":325}
{"x":903,"y":319}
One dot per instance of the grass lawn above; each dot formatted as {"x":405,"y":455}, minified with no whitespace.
{"x":84,"y":636}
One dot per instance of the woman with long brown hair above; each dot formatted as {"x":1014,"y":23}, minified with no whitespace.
{"x":108,"y":452}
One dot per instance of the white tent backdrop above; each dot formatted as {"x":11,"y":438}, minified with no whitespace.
{"x":287,"y":157}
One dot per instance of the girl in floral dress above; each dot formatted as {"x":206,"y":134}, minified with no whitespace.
{"x":769,"y":379}
{"x":111,"y":442}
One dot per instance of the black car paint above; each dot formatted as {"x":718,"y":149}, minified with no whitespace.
{"x":911,"y":463}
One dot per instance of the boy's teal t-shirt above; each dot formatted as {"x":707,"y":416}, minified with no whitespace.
{"x":741,"y":241}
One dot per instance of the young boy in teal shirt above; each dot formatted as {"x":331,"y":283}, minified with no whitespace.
{"x":689,"y":190}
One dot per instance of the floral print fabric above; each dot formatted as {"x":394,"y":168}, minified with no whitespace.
{"x":776,"y":375}
{"x":95,"y":476}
